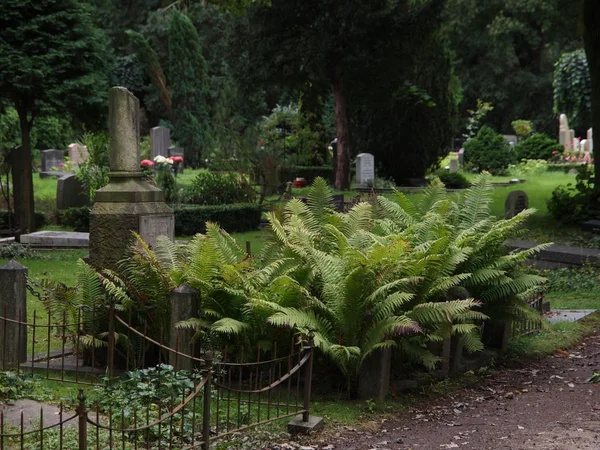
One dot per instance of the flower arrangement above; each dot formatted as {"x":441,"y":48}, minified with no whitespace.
{"x":160,"y":160}
{"x":146,"y":163}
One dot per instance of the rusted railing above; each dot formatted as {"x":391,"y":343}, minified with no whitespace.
{"x":226,"y":397}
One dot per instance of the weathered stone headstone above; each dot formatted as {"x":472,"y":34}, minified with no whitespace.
{"x":584,"y":146}
{"x":160,"y":141}
{"x":511,"y":139}
{"x":576,"y":144}
{"x":590,"y":138}
{"x":177,"y":151}
{"x":185,"y":304}
{"x":564,"y":136}
{"x":78,"y":154}
{"x":570,"y":145}
{"x":374,"y":376}
{"x":52,"y":159}
{"x":128,"y":203}
{"x":461,"y":157}
{"x":13,"y":306}
{"x":516,"y":201}
{"x":71,"y":193}
{"x":365,"y":168}
{"x":453,"y":165}
{"x":338,"y":202}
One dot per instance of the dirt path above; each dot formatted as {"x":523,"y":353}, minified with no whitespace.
{"x":545,"y":405}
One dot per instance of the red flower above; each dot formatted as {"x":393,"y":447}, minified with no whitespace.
{"x":176,"y":159}
{"x":555,"y":152}
{"x":146,"y":163}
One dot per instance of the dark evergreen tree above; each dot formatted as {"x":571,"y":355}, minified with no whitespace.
{"x":51,"y":55}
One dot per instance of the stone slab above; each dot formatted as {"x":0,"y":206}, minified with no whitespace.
{"x":56,"y":239}
{"x":591,"y":225}
{"x":153,"y":226}
{"x":564,"y":255}
{"x":567,"y":315}
{"x":297,"y":426}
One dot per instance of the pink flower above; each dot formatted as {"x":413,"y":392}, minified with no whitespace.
{"x":555,"y":152}
{"x":176,"y":159}
{"x":146,"y":163}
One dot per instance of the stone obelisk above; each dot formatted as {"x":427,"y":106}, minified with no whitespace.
{"x":128,"y":203}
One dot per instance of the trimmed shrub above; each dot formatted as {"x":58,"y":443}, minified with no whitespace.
{"x":576,"y":204}
{"x":212,"y":188}
{"x":309,"y":173}
{"x":453,"y":180}
{"x":489,"y":151}
{"x":191,"y":219}
{"x":537,"y":146}
{"x":40,"y":219}
{"x":77,"y":218}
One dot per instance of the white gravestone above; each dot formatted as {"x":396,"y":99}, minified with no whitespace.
{"x":365,"y":168}
{"x":576,"y":144}
{"x":453,"y":165}
{"x":570,"y":144}
{"x":584,"y":146}
{"x":590,"y":139}
{"x":153,"y":226}
{"x":78,"y":154}
{"x":160,"y":141}
{"x":563,"y":132}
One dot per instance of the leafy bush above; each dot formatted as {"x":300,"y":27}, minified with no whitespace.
{"x":576,"y":204}
{"x":20,"y":251}
{"x":489,"y":151}
{"x":537,"y":146}
{"x":522,"y":127}
{"x":165,"y":180}
{"x":566,"y":168}
{"x":76,"y":218}
{"x":573,"y":89}
{"x":453,"y":180}
{"x":309,"y":173}
{"x":40,"y":219}
{"x":528,"y":167}
{"x":212,"y":188}
{"x":14,"y":386}
{"x":240,"y":217}
{"x":93,"y":173}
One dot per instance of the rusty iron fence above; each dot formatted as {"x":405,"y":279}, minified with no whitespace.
{"x":528,"y":326}
{"x":225,"y":394}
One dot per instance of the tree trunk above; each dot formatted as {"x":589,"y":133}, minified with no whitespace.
{"x":342,"y":166}
{"x":591,"y":38}
{"x":23,"y":179}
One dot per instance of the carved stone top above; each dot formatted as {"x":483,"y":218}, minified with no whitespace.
{"x":124,"y":126}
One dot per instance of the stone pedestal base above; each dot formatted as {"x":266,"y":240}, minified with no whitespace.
{"x":297,"y":426}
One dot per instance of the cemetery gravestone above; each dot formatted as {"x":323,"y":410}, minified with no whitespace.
{"x":177,"y":151}
{"x":590,"y":139}
{"x":461,"y":157}
{"x":71,"y":193}
{"x":516,"y":202}
{"x":511,"y":139}
{"x":453,"y":165}
{"x":160,"y":141}
{"x":571,"y":139}
{"x":128,"y":203}
{"x":338,"y":202}
{"x":576,"y":144}
{"x":78,"y":154}
{"x":365,"y":168}
{"x":52,"y":159}
{"x":564,"y":136}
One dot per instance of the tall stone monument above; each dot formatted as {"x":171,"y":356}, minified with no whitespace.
{"x":127,"y":203}
{"x":564,"y":137}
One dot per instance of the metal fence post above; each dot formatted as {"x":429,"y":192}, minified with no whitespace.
{"x":111,"y":340}
{"x":308,"y":375}
{"x":82,"y":413}
{"x":208,"y":358}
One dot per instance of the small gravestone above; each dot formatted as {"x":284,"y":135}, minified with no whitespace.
{"x":461,"y":157}
{"x":564,"y":136}
{"x":576,"y":144}
{"x":78,"y":154}
{"x":71,"y":193}
{"x":453,"y":165}
{"x":177,"y":151}
{"x":590,"y":139}
{"x":511,"y":139}
{"x":570,"y":144}
{"x":516,"y":202}
{"x":160,"y":141}
{"x":365,"y":169}
{"x":52,"y":160}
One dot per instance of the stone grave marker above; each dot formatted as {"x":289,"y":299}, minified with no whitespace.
{"x":516,"y":201}
{"x":511,"y":139}
{"x":338,"y":202}
{"x":584,"y":145}
{"x":453,"y":165}
{"x":78,"y":154}
{"x":52,"y":159}
{"x":177,"y":151}
{"x":571,"y":139}
{"x":576,"y":144}
{"x":128,"y":203}
{"x":590,"y":139}
{"x":71,"y":193}
{"x":160,"y":141}
{"x":564,"y":136}
{"x":461,"y":157}
{"x":365,"y":168}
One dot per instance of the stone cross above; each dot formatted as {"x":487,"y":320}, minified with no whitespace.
{"x":564,"y":138}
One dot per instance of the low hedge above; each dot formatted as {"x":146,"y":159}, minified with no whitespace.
{"x":40,"y":219}
{"x":76,"y":218}
{"x":237,"y":217}
{"x":563,"y":167}
{"x":309,"y":173}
